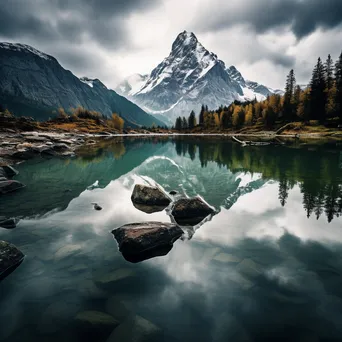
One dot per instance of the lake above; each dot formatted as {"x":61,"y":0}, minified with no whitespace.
{"x":266,"y":267}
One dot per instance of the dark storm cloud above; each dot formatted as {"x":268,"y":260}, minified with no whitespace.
{"x":69,"y":30}
{"x":77,"y":20}
{"x":303,"y":16}
{"x":281,"y":59}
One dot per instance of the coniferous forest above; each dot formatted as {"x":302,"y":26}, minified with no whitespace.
{"x":320,"y":102}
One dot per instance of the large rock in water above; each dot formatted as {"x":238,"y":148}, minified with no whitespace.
{"x":10,"y":258}
{"x":9,"y":186}
{"x":136,"y":329}
{"x":190,"y":211}
{"x":141,"y":241}
{"x":149,"y":199}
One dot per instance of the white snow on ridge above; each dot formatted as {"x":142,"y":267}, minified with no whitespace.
{"x":162,"y":111}
{"x":24,"y":47}
{"x":250,"y":95}
{"x":87,"y":81}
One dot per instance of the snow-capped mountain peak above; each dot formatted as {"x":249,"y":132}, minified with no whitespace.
{"x":187,"y":62}
{"x":236,"y":75}
{"x":187,"y":78}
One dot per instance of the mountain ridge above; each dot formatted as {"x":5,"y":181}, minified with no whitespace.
{"x":33,"y":83}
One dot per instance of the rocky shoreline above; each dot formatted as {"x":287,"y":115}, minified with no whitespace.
{"x":16,"y":147}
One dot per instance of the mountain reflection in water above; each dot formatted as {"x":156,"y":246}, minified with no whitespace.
{"x":266,"y":267}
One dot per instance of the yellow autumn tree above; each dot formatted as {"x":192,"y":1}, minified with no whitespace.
{"x":238,"y":116}
{"x":217,"y":120}
{"x":257,"y":110}
{"x":117,"y":122}
{"x":61,"y":113}
{"x":249,"y":115}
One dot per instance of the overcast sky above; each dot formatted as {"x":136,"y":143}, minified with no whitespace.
{"x":112,"y":39}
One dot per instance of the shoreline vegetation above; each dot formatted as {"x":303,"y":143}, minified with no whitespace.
{"x":95,"y":124}
{"x":311,"y":113}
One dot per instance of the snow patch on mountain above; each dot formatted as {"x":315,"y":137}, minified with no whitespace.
{"x":24,"y":48}
{"x":87,"y":81}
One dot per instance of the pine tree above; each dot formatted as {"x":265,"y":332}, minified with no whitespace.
{"x":303,"y":109}
{"x":288,"y":109}
{"x":296,"y":99}
{"x":225,"y":119}
{"x":317,"y":93}
{"x":338,"y":82}
{"x":201,"y":116}
{"x":184,"y":123}
{"x":178,"y":124}
{"x":329,"y":73}
{"x":192,"y":120}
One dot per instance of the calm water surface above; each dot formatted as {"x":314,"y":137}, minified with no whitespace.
{"x":266,"y":267}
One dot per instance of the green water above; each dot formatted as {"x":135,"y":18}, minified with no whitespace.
{"x":266,"y":267}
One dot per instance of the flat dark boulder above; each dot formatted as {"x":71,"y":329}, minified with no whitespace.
{"x":149,"y":196}
{"x":26,"y":153}
{"x":10,"y":258}
{"x":8,"y":223}
{"x":9,"y":186}
{"x":7,"y":172}
{"x":141,"y":241}
{"x":190,"y":211}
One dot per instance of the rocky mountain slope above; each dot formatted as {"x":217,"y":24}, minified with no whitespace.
{"x":34,"y":84}
{"x":189,"y":77}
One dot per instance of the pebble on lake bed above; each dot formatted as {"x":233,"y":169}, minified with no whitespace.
{"x":96,"y":206}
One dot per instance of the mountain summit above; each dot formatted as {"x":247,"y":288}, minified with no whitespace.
{"x":189,"y":77}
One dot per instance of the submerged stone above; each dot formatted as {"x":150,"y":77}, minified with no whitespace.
{"x":96,"y":206}
{"x":97,"y":318}
{"x":7,"y":186}
{"x":8,"y":223}
{"x":190,"y":211}
{"x":249,"y":268}
{"x":95,"y":325}
{"x":226,"y":258}
{"x":149,"y":196}
{"x":115,"y":277}
{"x":10,"y":258}
{"x":66,"y":251}
{"x":7,"y":171}
{"x":117,"y":308}
{"x":141,"y":241}
{"x":137,"y":329}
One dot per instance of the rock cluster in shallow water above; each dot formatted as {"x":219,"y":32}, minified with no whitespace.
{"x":145,"y":240}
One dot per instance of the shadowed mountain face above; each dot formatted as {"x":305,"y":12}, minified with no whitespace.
{"x":35,"y":84}
{"x":189,"y":77}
